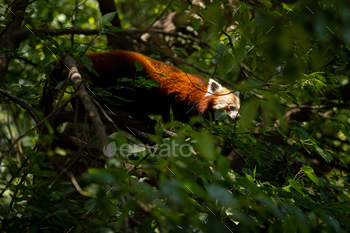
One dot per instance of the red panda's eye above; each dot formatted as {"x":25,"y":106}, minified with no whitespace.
{"x":232,"y":108}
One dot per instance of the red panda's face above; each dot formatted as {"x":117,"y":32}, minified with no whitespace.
{"x":229,"y":102}
{"x":224,"y":99}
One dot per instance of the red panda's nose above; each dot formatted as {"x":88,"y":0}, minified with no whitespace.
{"x":235,"y":115}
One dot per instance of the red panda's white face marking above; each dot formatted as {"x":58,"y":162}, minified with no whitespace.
{"x":229,"y":102}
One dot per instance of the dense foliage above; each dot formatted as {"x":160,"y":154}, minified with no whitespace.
{"x":282,"y":167}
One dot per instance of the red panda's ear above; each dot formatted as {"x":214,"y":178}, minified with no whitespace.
{"x":213,"y":86}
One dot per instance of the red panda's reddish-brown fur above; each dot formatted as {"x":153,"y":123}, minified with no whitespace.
{"x":177,"y":87}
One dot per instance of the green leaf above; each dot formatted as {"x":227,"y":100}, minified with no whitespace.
{"x":110,"y":33}
{"x":161,"y":75}
{"x":302,"y":133}
{"x":292,"y":97}
{"x":235,"y":10}
{"x":338,"y":157}
{"x":242,"y":7}
{"x":60,"y":47}
{"x":314,"y":97}
{"x":195,"y":24}
{"x":254,"y":172}
{"x":115,"y":29}
{"x":344,"y":130}
{"x":248,"y":112}
{"x":72,"y":50}
{"x":344,"y":197}
{"x":125,"y":79}
{"x":247,"y":14}
{"x":60,"y":85}
{"x":153,"y":83}
{"x":95,"y":73}
{"x":267,"y":3}
{"x":323,"y":153}
{"x":159,"y":130}
{"x":281,"y":132}
{"x":102,"y":93}
{"x":294,"y":184}
{"x":254,"y":62}
{"x":171,"y":114}
{"x":314,"y":178}
{"x":104,"y":31}
{"x":138,"y":66}
{"x":88,"y":62}
{"x":310,"y":173}
{"x":108,"y":24}
{"x":79,"y":60}
{"x":129,"y":88}
{"x":210,"y":117}
{"x":219,"y":194}
{"x":108,"y":17}
{"x":251,"y":138}
{"x":307,"y":169}
{"x":220,"y":115}
{"x":121,"y":98}
{"x":268,"y":204}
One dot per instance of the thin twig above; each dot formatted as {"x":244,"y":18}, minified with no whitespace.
{"x":23,"y":104}
{"x":159,"y":16}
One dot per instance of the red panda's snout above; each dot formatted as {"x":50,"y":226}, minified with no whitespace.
{"x":224,"y":99}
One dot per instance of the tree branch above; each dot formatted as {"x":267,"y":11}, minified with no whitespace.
{"x":23,"y":104}
{"x":315,"y":107}
{"x":91,"y":109}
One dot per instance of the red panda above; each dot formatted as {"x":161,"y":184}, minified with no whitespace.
{"x":185,"y":93}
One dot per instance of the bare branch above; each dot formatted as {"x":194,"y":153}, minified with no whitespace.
{"x":86,"y":99}
{"x":23,"y":104}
